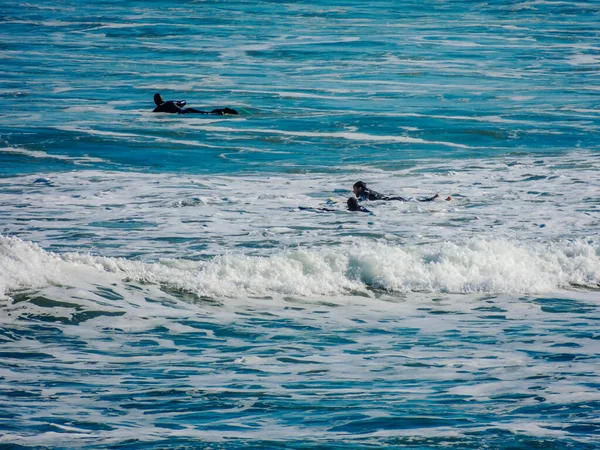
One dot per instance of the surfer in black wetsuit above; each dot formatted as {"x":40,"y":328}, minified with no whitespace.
{"x":363,"y":193}
{"x":177,"y":107}
{"x":354,"y":206}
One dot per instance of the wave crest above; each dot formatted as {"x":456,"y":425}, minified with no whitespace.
{"x":476,"y":266}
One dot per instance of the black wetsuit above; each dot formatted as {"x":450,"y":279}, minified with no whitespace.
{"x":177,"y":107}
{"x":368,"y":194}
{"x":354,"y":206}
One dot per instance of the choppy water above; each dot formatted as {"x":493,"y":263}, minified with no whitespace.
{"x":160,"y":287}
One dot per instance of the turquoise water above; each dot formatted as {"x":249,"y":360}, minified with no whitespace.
{"x":160,"y":288}
{"x":319,"y":84}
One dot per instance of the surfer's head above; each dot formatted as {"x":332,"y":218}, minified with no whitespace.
{"x":359,"y":187}
{"x":353,"y":204}
{"x":158,"y":99}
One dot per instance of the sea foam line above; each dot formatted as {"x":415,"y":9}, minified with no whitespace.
{"x":43,"y":155}
{"x":474,"y":266}
{"x":353,"y":136}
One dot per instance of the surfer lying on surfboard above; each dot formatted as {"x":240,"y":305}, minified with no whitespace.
{"x":352,"y":206}
{"x":177,"y":107}
{"x":363,"y":193}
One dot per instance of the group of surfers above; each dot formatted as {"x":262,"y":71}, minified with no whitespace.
{"x":361,"y":191}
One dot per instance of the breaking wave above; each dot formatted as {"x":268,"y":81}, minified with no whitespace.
{"x":474,"y":266}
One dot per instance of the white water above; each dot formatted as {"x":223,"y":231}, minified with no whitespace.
{"x":475,"y":266}
{"x":526,"y":227}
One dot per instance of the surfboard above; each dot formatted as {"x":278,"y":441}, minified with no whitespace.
{"x":334,"y":200}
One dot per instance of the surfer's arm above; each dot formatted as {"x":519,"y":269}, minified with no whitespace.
{"x":168,"y":107}
{"x":223,"y":111}
{"x":180,"y":103}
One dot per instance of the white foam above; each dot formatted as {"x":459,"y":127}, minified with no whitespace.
{"x":496,"y":266}
{"x":92,"y":109}
{"x":524,"y":200}
{"x":141,"y":137}
{"x":25,"y":266}
{"x":584,"y":60}
{"x":43,"y":155}
{"x":343,"y":135}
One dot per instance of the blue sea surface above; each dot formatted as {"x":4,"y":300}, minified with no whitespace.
{"x":160,"y":286}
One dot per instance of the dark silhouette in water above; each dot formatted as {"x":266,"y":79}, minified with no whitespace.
{"x":177,"y":107}
{"x":363,"y":193}
{"x":354,"y":206}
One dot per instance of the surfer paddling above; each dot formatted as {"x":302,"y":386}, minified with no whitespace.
{"x":363,"y":193}
{"x":178,"y":107}
{"x":354,"y":206}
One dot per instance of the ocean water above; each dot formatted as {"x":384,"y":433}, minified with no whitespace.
{"x":160,"y":287}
